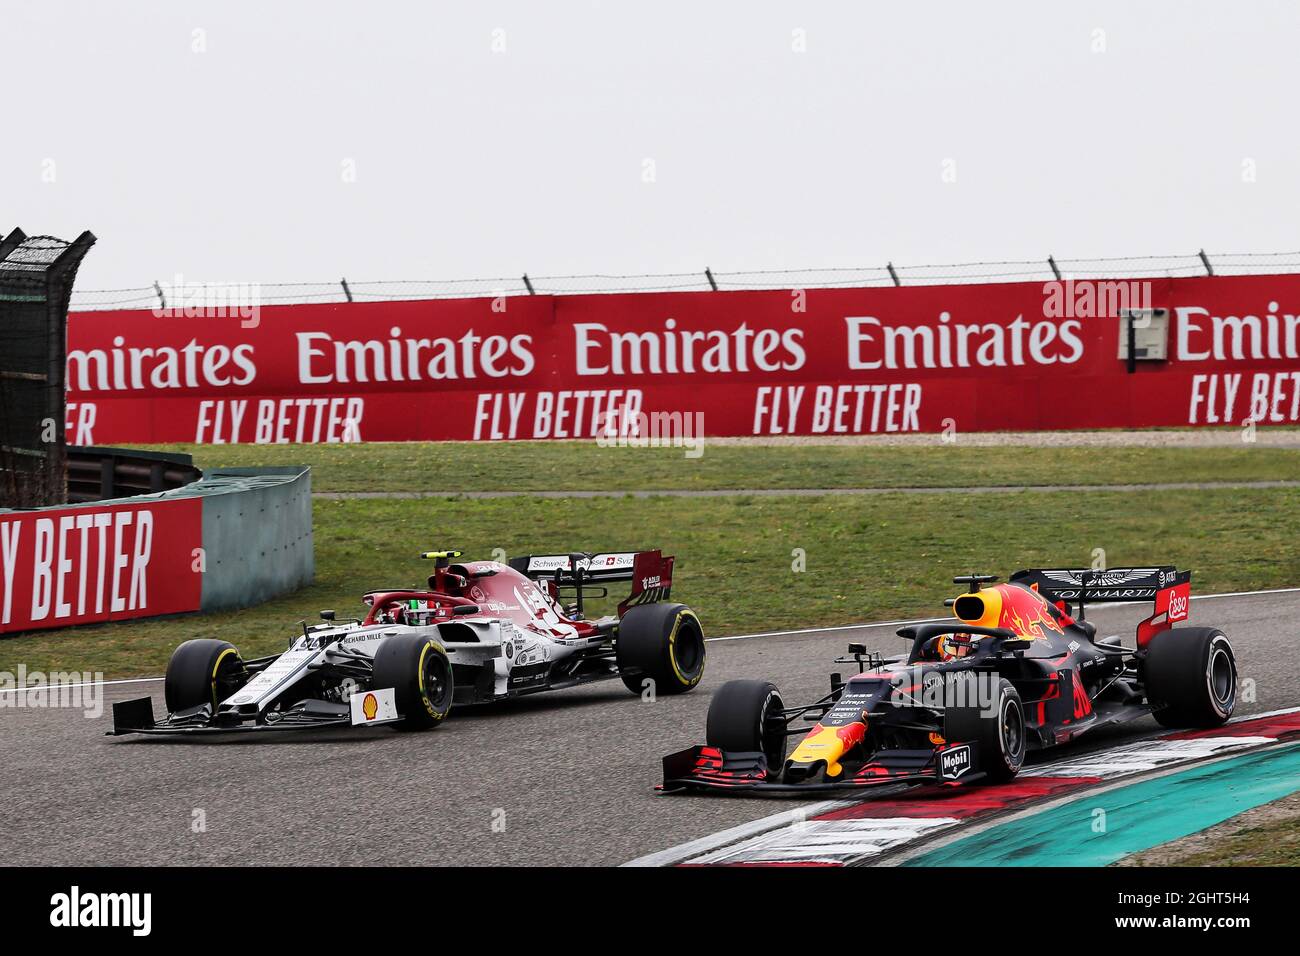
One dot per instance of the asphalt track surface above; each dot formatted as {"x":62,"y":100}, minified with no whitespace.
{"x":564,"y":778}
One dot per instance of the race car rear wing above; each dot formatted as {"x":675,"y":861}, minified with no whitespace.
{"x":1166,"y":586}
{"x":650,"y":572}
{"x":565,"y":568}
{"x":1108,"y":586}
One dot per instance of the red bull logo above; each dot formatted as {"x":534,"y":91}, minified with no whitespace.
{"x":1008,"y":606}
{"x":1028,"y":616}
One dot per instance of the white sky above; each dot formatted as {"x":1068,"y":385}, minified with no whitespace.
{"x":227,"y":165}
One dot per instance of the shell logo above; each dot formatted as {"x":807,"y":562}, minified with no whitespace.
{"x":369,"y":706}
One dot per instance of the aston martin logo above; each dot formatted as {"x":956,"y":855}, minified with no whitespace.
{"x":1102,"y":579}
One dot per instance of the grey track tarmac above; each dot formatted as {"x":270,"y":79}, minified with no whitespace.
{"x":569,"y":774}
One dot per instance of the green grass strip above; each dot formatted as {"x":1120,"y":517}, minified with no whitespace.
{"x":863,"y":557}
{"x":456,"y":467}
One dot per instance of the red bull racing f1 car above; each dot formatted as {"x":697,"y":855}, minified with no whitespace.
{"x":1015,"y":670}
{"x":478,"y":632}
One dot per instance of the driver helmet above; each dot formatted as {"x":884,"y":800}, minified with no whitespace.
{"x":955,"y":646}
{"x":419,"y":612}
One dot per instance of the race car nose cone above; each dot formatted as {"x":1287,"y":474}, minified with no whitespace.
{"x":798,"y":771}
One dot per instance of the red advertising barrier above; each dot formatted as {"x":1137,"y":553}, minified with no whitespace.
{"x":822,"y":361}
{"x":95,"y":563}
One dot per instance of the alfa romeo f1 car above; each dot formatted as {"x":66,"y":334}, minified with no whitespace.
{"x":1014,"y":671}
{"x":479,"y":632}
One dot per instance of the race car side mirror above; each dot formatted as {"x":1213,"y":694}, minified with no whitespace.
{"x":857,"y":648}
{"x":327,"y":615}
{"x":465,"y":609}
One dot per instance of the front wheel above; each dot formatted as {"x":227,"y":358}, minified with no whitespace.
{"x":748,"y":716}
{"x":998,"y":732}
{"x":1191,"y":677}
{"x":417,"y":669}
{"x":662,"y":644}
{"x":202,"y":671}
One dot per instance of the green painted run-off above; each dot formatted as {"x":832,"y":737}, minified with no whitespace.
{"x":1137,"y":817}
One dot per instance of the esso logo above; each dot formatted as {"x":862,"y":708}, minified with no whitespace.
{"x":1177,"y":607}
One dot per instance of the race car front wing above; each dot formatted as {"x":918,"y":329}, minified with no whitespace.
{"x":136,"y":717}
{"x":708,"y":769}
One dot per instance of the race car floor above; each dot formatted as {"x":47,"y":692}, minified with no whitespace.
{"x":562,"y":778}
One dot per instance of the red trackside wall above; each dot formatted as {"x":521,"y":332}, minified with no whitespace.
{"x":92,"y":563}
{"x":824,"y":361}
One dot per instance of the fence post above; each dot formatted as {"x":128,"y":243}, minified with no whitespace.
{"x":892,"y":274}
{"x":529,"y":285}
{"x":1055,"y":271}
{"x":1131,"y":331}
{"x":162,"y":299}
{"x":346,"y":291}
{"x":708,"y":274}
{"x":1205,"y":261}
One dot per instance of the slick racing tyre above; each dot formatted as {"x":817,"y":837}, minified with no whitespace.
{"x":662,"y":643}
{"x":203,"y":671}
{"x":417,"y":669}
{"x":1191,"y":677}
{"x":748,"y":716}
{"x":998,"y":732}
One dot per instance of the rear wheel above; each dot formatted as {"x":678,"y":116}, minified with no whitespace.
{"x":747,"y":716}
{"x":999,"y":732}
{"x":417,"y":669}
{"x":202,"y":671}
{"x":661,"y":643}
{"x":1191,"y":677}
